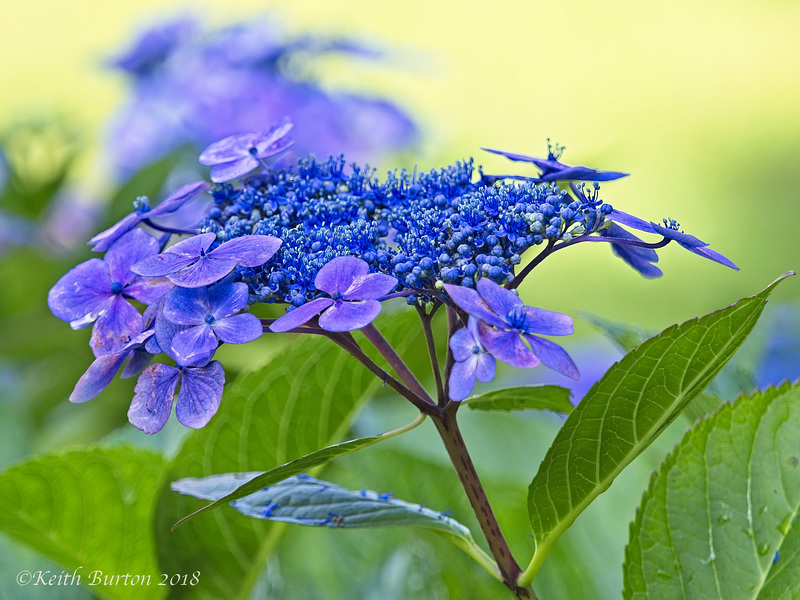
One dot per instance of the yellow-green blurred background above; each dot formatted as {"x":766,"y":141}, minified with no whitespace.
{"x":700,"y":101}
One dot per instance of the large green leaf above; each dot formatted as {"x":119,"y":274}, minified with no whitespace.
{"x":301,"y":401}
{"x":626,"y":410}
{"x":524,"y":397}
{"x":90,"y":510}
{"x":299,"y":465}
{"x":720,"y":517}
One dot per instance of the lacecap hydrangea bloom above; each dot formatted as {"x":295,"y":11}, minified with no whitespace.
{"x":334,"y":243}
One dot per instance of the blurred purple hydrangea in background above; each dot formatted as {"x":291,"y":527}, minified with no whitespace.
{"x":193,"y":86}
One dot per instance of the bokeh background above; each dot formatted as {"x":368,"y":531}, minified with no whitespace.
{"x":698,"y":101}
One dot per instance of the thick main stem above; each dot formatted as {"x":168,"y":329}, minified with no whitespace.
{"x":454,"y":444}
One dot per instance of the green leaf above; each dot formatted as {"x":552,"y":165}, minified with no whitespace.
{"x":299,"y":465}
{"x":303,"y":400}
{"x":626,"y":410}
{"x":304,"y":500}
{"x":91,"y":509}
{"x":720,"y":517}
{"x":525,"y":397}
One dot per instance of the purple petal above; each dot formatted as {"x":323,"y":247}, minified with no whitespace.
{"x":349,"y":315}
{"x":178,"y":198}
{"x":248,"y":251}
{"x":187,"y":306}
{"x":637,"y":257}
{"x":340,"y":273}
{"x":162,"y":264}
{"x":485,"y":367}
{"x":227,"y":299}
{"x":546,"y":322}
{"x":578,"y":173}
{"x":194,"y":345}
{"x":83,"y":290}
{"x":194,"y":246}
{"x":500,"y":300}
{"x":508,"y":347}
{"x":116,"y":327}
{"x":138,"y":360}
{"x":554,"y":356}
{"x":715,"y":256}
{"x":147,"y":290}
{"x":512,"y":155}
{"x":152,"y":402}
{"x":103,"y":240}
{"x":462,"y":379}
{"x":462,"y":344}
{"x":238,"y":329}
{"x":200,"y":395}
{"x":273,"y":140}
{"x":684,"y":239}
{"x":621,"y":217}
{"x":134,"y":246}
{"x":300,"y":315}
{"x":234,"y":169}
{"x":470,"y":300}
{"x":228,"y":149}
{"x":205,"y":271}
{"x":370,"y":287}
{"x":97,"y":376}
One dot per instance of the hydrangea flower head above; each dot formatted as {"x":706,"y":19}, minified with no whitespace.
{"x":353,"y":301}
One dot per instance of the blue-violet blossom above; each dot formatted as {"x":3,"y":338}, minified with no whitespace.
{"x":472,"y":360}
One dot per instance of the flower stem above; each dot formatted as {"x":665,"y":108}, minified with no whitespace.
{"x":394,"y":360}
{"x":425,"y":318}
{"x":448,"y":430}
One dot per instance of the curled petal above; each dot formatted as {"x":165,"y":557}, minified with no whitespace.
{"x":349,"y":315}
{"x":340,"y":273}
{"x":200,"y":395}
{"x":103,"y":240}
{"x":638,"y":258}
{"x":554,"y":356}
{"x":152,"y":402}
{"x":300,"y":315}
{"x":178,"y":198}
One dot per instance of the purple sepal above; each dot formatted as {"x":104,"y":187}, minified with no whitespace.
{"x":554,"y":356}
{"x":138,"y":360}
{"x":553,"y":170}
{"x":349,"y":315}
{"x":152,"y":401}
{"x":472,"y":361}
{"x":340,"y":273}
{"x":248,"y":251}
{"x":82,"y":291}
{"x":625,"y":219}
{"x":200,"y":395}
{"x":692,"y":244}
{"x":120,"y":323}
{"x":97,"y":376}
{"x":508,"y":347}
{"x":239,"y":154}
{"x":204,"y":271}
{"x":239,"y":329}
{"x":103,"y":240}
{"x":178,"y":199}
{"x":638,"y":258}
{"x":194,"y":345}
{"x":470,"y":301}
{"x":300,"y":315}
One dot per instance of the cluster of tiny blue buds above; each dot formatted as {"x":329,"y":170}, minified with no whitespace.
{"x":445,"y":226}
